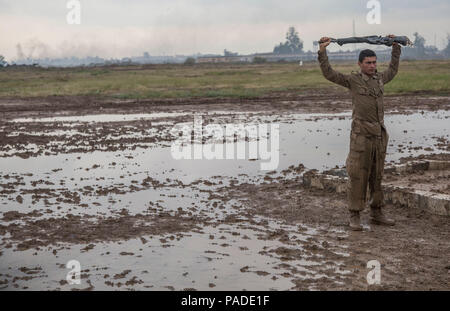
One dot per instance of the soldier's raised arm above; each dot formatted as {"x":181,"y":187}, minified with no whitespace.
{"x":328,"y":72}
{"x":390,"y":73}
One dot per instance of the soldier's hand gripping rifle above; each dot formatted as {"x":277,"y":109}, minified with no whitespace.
{"x":378,"y":40}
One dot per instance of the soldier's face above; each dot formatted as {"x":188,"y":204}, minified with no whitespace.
{"x":368,"y":65}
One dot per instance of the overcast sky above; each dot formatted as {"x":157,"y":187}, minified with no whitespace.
{"x":119,"y":28}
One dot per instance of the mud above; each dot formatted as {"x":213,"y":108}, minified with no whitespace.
{"x":434,"y":181}
{"x":84,"y":185}
{"x":416,"y":235}
{"x":317,"y":100}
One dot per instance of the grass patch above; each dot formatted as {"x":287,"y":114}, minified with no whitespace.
{"x":207,"y":80}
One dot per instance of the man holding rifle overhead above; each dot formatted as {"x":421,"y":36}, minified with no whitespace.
{"x":368,"y":136}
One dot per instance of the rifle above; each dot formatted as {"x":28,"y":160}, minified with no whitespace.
{"x":378,"y":40}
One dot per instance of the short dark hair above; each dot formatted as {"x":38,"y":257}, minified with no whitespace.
{"x":366,"y":53}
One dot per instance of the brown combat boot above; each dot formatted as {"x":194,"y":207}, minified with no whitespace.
{"x":378,"y":218}
{"x":355,"y":222}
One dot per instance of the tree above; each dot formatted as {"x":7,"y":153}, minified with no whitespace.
{"x":229,"y":53}
{"x":294,"y":41}
{"x":282,"y":48}
{"x":419,"y":44}
{"x":446,"y":51}
{"x":2,"y":61}
{"x":189,"y":61}
{"x":292,"y":45}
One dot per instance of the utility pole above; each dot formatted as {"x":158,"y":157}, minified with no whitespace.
{"x":354,"y":35}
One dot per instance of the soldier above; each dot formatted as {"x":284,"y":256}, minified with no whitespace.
{"x":368,"y":136}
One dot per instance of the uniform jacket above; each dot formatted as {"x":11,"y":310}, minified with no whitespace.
{"x":367,"y":93}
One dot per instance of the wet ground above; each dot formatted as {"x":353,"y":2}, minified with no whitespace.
{"x":94,"y":181}
{"x":433,"y":181}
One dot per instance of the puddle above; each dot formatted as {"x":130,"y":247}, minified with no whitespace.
{"x":219,"y":258}
{"x":98,"y":118}
{"x":319,"y":144}
{"x":148,"y":179}
{"x":103,"y":117}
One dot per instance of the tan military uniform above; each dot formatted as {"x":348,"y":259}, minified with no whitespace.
{"x":368,"y":136}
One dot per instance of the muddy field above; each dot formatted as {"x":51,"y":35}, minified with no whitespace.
{"x":94,"y":180}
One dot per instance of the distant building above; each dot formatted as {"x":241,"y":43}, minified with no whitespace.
{"x":382,"y":55}
{"x":225,"y":59}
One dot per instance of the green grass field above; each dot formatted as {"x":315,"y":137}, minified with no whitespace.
{"x":207,"y":80}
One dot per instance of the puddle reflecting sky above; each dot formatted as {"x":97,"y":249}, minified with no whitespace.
{"x":195,"y":260}
{"x":319,"y":143}
{"x":316,"y":141}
